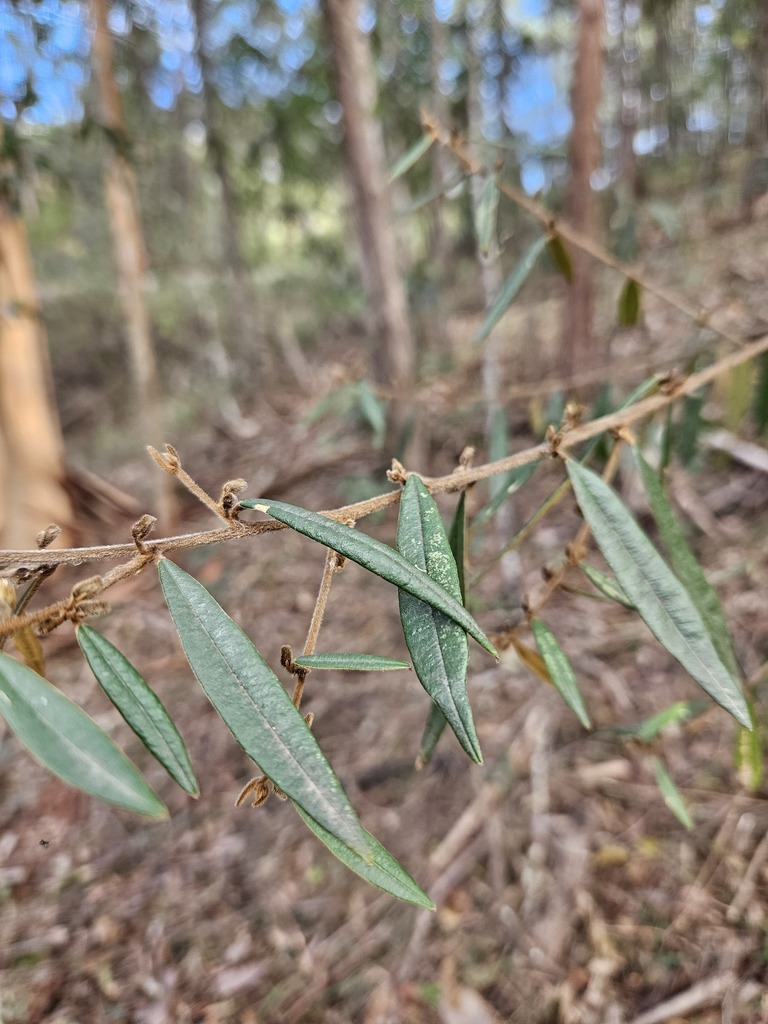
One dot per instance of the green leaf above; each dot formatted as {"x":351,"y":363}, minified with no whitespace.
{"x":686,"y":566}
{"x":510,"y":484}
{"x":139,"y":705}
{"x":410,"y":157}
{"x":374,"y":412}
{"x":350,"y":662}
{"x":760,"y":399}
{"x":436,"y":722}
{"x":379,"y":558}
{"x":661,"y":600}
{"x":749,"y":756}
{"x":673,"y":798}
{"x":498,"y":444}
{"x":434,"y":727}
{"x":438,"y":646}
{"x":560,"y":671}
{"x":69,"y":743}
{"x":560,"y":257}
{"x":605,"y":584}
{"x":457,"y":537}
{"x":382,"y":871}
{"x":257,"y":710}
{"x":682,"y":711}
{"x":689,"y":428}
{"x":510,"y":288}
{"x":629,"y":303}
{"x":486,"y":209}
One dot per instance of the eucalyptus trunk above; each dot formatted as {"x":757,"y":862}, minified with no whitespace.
{"x":394,"y":355}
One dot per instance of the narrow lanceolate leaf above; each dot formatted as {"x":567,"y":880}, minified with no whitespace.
{"x":457,"y":538}
{"x":661,"y":600}
{"x":382,"y":871}
{"x":486,"y":210}
{"x":434,"y":727}
{"x":410,"y":157}
{"x":69,"y":743}
{"x":629,"y":303}
{"x":749,"y":756}
{"x":673,"y":798}
{"x":682,"y":711}
{"x":509,"y":290}
{"x":686,"y":566}
{"x":560,"y":256}
{"x":438,"y":645}
{"x":560,"y":671}
{"x":139,"y":706}
{"x":257,"y":710}
{"x":350,"y":662}
{"x":605,"y":584}
{"x":510,"y":484}
{"x":379,"y":558}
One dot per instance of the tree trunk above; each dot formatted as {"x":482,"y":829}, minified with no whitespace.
{"x":578,"y":349}
{"x":122,"y":204}
{"x":32,"y":492}
{"x":356,"y":90}
{"x":441,"y":161}
{"x":240,"y":320}
{"x":491,"y":276}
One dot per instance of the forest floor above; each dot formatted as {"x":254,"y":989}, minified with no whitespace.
{"x":567,"y":891}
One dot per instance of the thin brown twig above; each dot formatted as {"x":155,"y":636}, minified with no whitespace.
{"x":459,"y":479}
{"x":455,"y":481}
{"x":556,"y":226}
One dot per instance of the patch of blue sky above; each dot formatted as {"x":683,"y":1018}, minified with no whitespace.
{"x":534,"y":106}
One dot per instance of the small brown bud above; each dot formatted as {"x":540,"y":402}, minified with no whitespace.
{"x":86,"y":589}
{"x":141,"y":529}
{"x":47,"y":536}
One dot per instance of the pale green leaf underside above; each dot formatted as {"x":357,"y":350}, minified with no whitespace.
{"x":410,"y":157}
{"x":438,"y":646}
{"x":141,"y":708}
{"x":350,"y":662}
{"x":560,"y":671}
{"x":607,"y":586}
{"x":379,"y":558}
{"x":510,"y":288}
{"x":256,"y":708}
{"x":673,"y":798}
{"x":659,"y":597}
{"x":686,"y":565}
{"x":383,"y":871}
{"x":70,"y":744}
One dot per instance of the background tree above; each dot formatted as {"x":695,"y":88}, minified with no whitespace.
{"x":32,"y":470}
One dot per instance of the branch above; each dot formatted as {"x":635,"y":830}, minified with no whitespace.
{"x":672,"y":390}
{"x":554,"y":226}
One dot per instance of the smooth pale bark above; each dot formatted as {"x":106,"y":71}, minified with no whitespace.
{"x":578,"y":346}
{"x":366,"y":165}
{"x":32,"y":492}
{"x":121,"y":198}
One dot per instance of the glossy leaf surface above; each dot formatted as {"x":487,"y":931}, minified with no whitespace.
{"x":379,"y":558}
{"x":560,"y":671}
{"x":141,"y":708}
{"x":350,"y":662}
{"x":256,"y":708}
{"x":438,"y":646}
{"x":382,"y":870}
{"x":661,"y":600}
{"x":69,"y":743}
